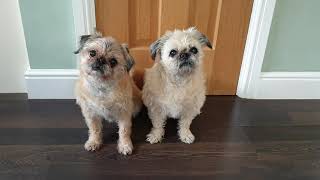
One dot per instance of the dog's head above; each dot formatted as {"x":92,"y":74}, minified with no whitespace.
{"x":180,"y":51}
{"x":104,"y":57}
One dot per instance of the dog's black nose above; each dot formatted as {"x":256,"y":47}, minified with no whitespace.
{"x":184,"y":56}
{"x":102,"y":61}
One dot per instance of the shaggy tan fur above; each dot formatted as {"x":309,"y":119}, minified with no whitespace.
{"x":175,"y":85}
{"x":107,"y":93}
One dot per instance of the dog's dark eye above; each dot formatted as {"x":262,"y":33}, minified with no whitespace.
{"x":172,"y":53}
{"x":194,"y":50}
{"x":92,"y":53}
{"x":113,"y":62}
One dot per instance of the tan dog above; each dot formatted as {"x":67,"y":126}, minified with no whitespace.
{"x":175,"y":85}
{"x":105,"y":89}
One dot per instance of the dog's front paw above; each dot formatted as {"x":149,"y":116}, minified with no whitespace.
{"x":91,"y":145}
{"x":186,"y":136}
{"x":125,"y":148}
{"x":155,"y":135}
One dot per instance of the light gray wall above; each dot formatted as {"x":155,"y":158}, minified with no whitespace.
{"x":294,"y":40}
{"x":13,"y":51}
{"x":49,"y":30}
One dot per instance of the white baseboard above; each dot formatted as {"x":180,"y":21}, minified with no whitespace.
{"x":51,"y":83}
{"x":288,"y":85}
{"x":59,"y":84}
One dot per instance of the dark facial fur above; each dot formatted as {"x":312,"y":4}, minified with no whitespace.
{"x":184,"y":57}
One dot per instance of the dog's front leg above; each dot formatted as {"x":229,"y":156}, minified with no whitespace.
{"x":95,"y":126}
{"x":184,"y":132}
{"x":125,"y":146}
{"x":158,"y":120}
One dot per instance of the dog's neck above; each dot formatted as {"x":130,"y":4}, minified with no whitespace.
{"x":97,"y":86}
{"x":103,"y":88}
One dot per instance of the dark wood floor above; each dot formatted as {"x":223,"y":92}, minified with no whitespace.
{"x":235,"y":139}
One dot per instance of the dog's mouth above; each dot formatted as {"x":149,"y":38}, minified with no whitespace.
{"x":100,"y":70}
{"x":186,"y":64}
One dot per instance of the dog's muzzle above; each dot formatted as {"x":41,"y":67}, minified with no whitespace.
{"x":184,"y":56}
{"x":186,"y":63}
{"x":185,"y":60}
{"x":98,"y":65}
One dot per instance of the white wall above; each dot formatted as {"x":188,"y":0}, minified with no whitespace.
{"x":293,"y":43}
{"x":49,"y":32}
{"x":13,"y":51}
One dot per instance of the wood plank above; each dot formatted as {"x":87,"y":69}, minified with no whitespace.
{"x":231,"y":39}
{"x":40,"y":114}
{"x":174,"y":15}
{"x":13,"y":96}
{"x":203,"y":15}
{"x":66,"y":114}
{"x":112,"y":18}
{"x":60,"y":136}
{"x":143,"y":21}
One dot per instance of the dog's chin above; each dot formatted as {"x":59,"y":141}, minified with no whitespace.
{"x":186,"y":68}
{"x":100,"y":74}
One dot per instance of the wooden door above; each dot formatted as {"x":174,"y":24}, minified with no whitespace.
{"x":140,"y":22}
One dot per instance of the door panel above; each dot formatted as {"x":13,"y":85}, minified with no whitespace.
{"x":140,"y":22}
{"x":143,"y":22}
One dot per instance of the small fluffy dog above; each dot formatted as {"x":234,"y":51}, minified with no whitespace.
{"x":175,"y":85}
{"x":105,"y":90}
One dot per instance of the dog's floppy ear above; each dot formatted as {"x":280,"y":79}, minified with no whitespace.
{"x":204,"y":41}
{"x":156,"y":46}
{"x":83,"y":40}
{"x":129,"y":59}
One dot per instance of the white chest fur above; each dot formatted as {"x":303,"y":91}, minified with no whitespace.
{"x":183,"y":97}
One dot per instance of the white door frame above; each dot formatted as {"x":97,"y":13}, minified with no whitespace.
{"x":84,"y":17}
{"x":257,"y":38}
